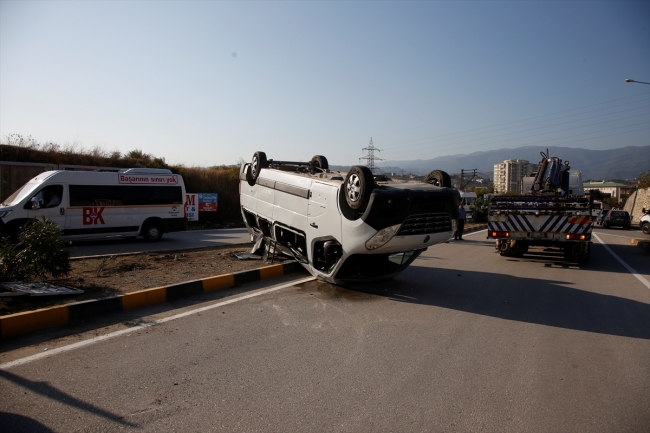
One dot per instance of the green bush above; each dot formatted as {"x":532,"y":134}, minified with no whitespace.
{"x":479,"y":209}
{"x":39,"y":252}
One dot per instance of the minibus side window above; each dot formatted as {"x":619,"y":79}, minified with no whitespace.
{"x":124,"y":195}
{"x":48,"y":197}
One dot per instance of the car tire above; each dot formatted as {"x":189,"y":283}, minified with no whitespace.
{"x":438,"y":178}
{"x":152,"y":232}
{"x":356,"y":189}
{"x":257,"y":164}
{"x":249,"y":176}
{"x":320,"y":161}
{"x":645,"y":228}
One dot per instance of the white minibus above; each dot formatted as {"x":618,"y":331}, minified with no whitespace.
{"x":87,"y":204}
{"x":345,"y":227}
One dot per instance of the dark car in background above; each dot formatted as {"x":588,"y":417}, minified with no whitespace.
{"x":617,"y":218}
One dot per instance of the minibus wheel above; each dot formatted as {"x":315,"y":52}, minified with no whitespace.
{"x":259,"y":162}
{"x":320,"y":161}
{"x":249,"y":176}
{"x":153,"y":231}
{"x":438,"y":178}
{"x":357,"y":187}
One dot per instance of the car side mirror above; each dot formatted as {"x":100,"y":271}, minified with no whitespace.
{"x":35,"y":203}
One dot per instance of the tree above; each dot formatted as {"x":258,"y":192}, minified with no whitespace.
{"x":480,"y":192}
{"x":644,"y":180}
{"x":612,"y":202}
{"x":479,"y":209}
{"x":597,"y":194}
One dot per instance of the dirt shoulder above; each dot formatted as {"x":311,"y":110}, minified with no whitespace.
{"x":116,"y":275}
{"x":119,"y":274}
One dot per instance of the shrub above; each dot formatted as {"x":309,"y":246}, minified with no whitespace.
{"x":644,"y":180}
{"x":479,"y":209}
{"x":39,"y":252}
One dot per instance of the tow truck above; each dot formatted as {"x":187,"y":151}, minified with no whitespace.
{"x":553,"y":212}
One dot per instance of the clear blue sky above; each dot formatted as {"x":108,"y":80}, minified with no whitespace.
{"x":207,"y":83}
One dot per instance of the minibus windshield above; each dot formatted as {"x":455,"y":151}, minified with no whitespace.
{"x":20,"y":194}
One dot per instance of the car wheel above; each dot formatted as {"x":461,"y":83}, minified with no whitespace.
{"x":320,"y":161}
{"x":357,"y":187}
{"x":153,"y":232}
{"x":257,"y":164}
{"x":249,"y":176}
{"x":438,"y":178}
{"x":646,"y":228}
{"x":605,"y":226}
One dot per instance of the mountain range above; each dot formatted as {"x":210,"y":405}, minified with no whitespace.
{"x":621,"y":163}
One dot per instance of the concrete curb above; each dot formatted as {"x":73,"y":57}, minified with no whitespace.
{"x":29,"y":321}
{"x":474,"y":227}
{"x":641,"y":243}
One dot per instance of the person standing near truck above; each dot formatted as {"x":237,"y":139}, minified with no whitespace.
{"x":458,"y":235}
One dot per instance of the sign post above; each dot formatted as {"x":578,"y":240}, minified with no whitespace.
{"x":208,"y":202}
{"x":191,"y":207}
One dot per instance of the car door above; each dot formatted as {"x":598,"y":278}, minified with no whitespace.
{"x":47,"y":204}
{"x":323,"y":216}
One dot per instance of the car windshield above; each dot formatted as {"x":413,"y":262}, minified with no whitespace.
{"x":20,"y":194}
{"x":619,"y":214}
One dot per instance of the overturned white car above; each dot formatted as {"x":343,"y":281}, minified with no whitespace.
{"x":345,"y":227}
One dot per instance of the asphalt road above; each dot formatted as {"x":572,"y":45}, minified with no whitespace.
{"x":170,"y":242}
{"x":463,"y":341}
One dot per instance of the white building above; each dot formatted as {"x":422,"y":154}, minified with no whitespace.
{"x":509,"y":174}
{"x":616,"y":190}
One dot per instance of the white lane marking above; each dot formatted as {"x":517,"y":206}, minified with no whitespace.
{"x":628,"y":267}
{"x":94,"y":340}
{"x":474,"y":233}
{"x":618,"y":236}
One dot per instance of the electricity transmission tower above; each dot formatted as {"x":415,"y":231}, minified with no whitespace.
{"x":370,"y":157}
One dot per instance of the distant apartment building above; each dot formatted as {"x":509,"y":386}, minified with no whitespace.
{"x":509,"y":174}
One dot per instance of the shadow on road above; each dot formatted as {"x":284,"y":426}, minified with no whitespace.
{"x":47,"y":390}
{"x":14,"y":423}
{"x":543,"y":302}
{"x":601,"y":260}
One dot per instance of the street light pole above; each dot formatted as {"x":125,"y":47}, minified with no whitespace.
{"x":634,"y":81}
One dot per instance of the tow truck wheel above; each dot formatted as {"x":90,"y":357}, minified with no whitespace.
{"x":320,"y":161}
{"x":573,"y":252}
{"x":257,"y":164}
{"x":519,"y":249}
{"x":504,"y":248}
{"x":646,"y":228}
{"x":438,"y":178}
{"x":357,"y":187}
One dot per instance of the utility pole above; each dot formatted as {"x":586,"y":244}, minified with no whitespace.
{"x":471,"y":171}
{"x":371,"y":158}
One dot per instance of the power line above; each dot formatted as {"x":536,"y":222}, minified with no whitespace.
{"x":550,"y":141}
{"x":527,"y":136}
{"x":440,"y":138}
{"x":370,"y":157}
